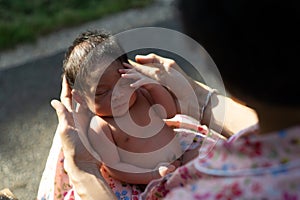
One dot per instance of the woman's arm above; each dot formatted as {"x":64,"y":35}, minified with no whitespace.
{"x":221,"y":113}
{"x":87,"y":180}
{"x":81,"y":166}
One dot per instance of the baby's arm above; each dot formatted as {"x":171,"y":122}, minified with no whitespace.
{"x":141,"y":177}
{"x":101,"y":140}
{"x":157,"y":93}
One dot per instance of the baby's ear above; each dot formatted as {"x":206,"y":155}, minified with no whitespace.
{"x":78,"y":97}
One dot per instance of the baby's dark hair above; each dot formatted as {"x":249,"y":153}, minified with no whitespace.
{"x":82,"y":46}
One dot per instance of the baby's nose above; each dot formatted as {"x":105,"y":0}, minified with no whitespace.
{"x":117,"y":95}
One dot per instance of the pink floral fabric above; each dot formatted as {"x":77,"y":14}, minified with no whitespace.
{"x":252,"y":167}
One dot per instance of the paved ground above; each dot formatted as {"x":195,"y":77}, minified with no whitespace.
{"x":29,"y":79}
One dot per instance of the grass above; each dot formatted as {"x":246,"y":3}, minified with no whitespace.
{"x":24,"y":20}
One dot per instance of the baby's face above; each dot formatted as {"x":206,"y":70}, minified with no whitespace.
{"x":113,"y":95}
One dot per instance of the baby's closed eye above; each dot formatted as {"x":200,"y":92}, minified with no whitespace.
{"x":101,"y":92}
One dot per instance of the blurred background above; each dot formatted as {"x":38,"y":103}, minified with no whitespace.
{"x":34,"y":35}
{"x":24,"y":21}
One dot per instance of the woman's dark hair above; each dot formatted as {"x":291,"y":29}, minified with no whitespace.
{"x":253,"y":43}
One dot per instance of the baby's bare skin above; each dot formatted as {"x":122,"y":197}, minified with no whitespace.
{"x":128,"y":131}
{"x":150,"y":151}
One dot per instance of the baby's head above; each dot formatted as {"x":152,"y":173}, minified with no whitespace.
{"x":82,"y":46}
{"x":91,"y":69}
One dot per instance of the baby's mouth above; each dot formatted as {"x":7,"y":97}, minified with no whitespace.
{"x":119,"y":106}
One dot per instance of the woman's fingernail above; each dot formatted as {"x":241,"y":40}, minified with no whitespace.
{"x":200,"y":129}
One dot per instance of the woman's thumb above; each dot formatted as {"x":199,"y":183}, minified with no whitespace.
{"x":58,"y":106}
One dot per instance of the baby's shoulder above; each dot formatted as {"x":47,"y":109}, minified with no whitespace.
{"x":144,"y":96}
{"x":97,"y":120}
{"x":98,"y":123}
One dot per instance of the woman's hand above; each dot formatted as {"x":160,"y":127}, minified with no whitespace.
{"x":82,"y":167}
{"x":167,"y":73}
{"x":139,"y":80}
{"x":170,"y":75}
{"x":69,"y":130}
{"x":163,"y":70}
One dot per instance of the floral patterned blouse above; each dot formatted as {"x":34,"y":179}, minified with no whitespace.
{"x":252,"y":167}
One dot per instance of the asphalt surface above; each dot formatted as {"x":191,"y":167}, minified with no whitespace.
{"x":27,"y":123}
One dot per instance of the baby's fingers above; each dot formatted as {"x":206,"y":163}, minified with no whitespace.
{"x":128,"y":66}
{"x":123,"y":71}
{"x":172,"y":123}
{"x":133,"y":76}
{"x":137,"y":84}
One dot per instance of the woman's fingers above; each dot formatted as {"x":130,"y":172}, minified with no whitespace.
{"x":150,"y":58}
{"x":59,"y":107}
{"x":82,"y":118}
{"x":156,"y":66}
{"x":159,"y":62}
{"x":138,"y":78}
{"x":63,"y":115}
{"x":139,"y":67}
{"x":65,"y":120}
{"x":65,"y":95}
{"x":148,"y":70}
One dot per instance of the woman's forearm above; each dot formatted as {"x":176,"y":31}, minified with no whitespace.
{"x":221,"y":113}
{"x":87,"y":181}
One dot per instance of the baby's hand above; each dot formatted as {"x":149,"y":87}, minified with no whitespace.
{"x":138,"y":78}
{"x":164,"y":170}
{"x":187,"y":122}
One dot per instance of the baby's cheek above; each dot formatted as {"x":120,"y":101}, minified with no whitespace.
{"x":128,"y":92}
{"x":102,"y":103}
{"x":133,"y":98}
